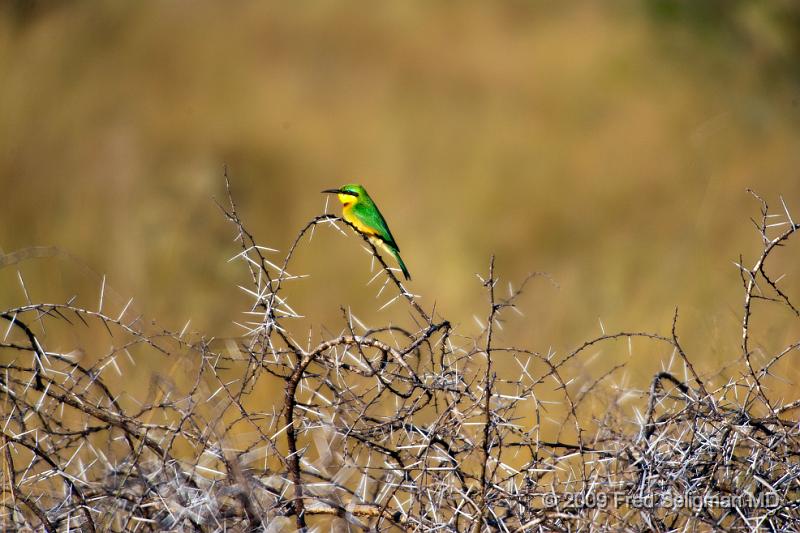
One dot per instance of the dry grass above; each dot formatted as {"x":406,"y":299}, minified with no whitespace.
{"x":586,"y":140}
{"x":398,"y":427}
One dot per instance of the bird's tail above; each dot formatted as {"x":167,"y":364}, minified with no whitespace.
{"x":396,"y":255}
{"x":394,"y":252}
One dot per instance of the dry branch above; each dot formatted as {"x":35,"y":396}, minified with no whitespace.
{"x":399,"y":428}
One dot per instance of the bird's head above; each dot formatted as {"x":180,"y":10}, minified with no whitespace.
{"x":348,"y":194}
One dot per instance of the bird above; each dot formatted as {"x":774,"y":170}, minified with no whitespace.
{"x":359,"y":210}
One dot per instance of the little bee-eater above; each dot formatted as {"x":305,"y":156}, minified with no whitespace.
{"x":359,"y":210}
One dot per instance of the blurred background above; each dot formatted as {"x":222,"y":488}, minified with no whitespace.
{"x":609,"y":145}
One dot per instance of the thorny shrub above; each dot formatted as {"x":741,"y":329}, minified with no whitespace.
{"x":393,"y":428}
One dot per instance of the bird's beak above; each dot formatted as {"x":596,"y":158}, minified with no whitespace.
{"x":340,"y":191}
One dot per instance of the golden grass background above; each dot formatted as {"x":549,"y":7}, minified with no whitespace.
{"x":608,"y":146}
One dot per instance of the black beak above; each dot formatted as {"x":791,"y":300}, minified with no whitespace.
{"x":340,"y":191}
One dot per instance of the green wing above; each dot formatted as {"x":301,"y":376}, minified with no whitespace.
{"x":368,"y":213}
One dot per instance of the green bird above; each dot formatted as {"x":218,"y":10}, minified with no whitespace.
{"x":359,"y":210}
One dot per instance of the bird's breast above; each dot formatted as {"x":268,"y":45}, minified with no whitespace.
{"x":349,"y":216}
